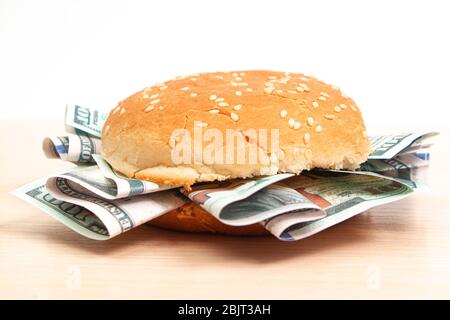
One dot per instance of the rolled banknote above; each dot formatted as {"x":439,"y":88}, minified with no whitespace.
{"x":92,"y":216}
{"x":77,"y":148}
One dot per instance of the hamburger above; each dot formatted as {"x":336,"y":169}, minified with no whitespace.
{"x":180,"y":132}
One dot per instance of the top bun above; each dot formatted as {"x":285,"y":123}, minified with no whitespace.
{"x":318,"y":127}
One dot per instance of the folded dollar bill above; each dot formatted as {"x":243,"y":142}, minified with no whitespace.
{"x":341,"y":195}
{"x":91,"y":215}
{"x":101,"y":180}
{"x":85,"y":120}
{"x":291,"y":204}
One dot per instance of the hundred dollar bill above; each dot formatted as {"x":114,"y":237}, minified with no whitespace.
{"x":86,"y":120}
{"x":102,"y":181}
{"x":341,"y":195}
{"x":411,"y":168}
{"x":77,"y":148}
{"x":92,"y":216}
{"x":388,"y":146}
{"x":244,"y":202}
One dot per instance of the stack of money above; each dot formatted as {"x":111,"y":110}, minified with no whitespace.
{"x":99,"y":203}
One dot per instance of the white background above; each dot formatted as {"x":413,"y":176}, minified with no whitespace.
{"x":392,"y":57}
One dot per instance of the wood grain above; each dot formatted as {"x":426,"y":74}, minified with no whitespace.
{"x":401,"y":250}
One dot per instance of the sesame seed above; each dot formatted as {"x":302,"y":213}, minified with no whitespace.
{"x":201,"y":124}
{"x":214,"y":111}
{"x":297,"y":125}
{"x":329,"y":116}
{"x":154,"y":96}
{"x":335,"y":88}
{"x":154,"y":101}
{"x":337,"y":109}
{"x":234,"y":74}
{"x":238,"y":93}
{"x":364,"y":134}
{"x":234,"y":116}
{"x":122,"y":111}
{"x":343,"y":106}
{"x":234,"y":84}
{"x":179,"y":77}
{"x":193,"y":79}
{"x":283,"y":113}
{"x":238,"y":78}
{"x":220,"y":99}
{"x":149,"y":108}
{"x":249,"y":89}
{"x":268,"y":90}
{"x":304,"y":79}
{"x":223,"y":104}
{"x":305,"y":87}
{"x":242,"y":73}
{"x":292,"y":91}
{"x":193,"y":94}
{"x":163,"y":88}
{"x":291,"y":122}
{"x":318,"y":129}
{"x":272,"y":77}
{"x":310,"y":121}
{"x":161,"y":107}
{"x":145,"y":96}
{"x":315,"y":104}
{"x":353,"y":107}
{"x":106,"y":129}
{"x":243,"y":84}
{"x":185,"y":88}
{"x":300,"y":89}
{"x":322,"y":98}
{"x":344,"y":95}
{"x":269,"y":84}
{"x":237,"y":107}
{"x":160,"y":84}
{"x":307,"y":137}
{"x":219,"y":77}
{"x":279,"y":91}
{"x":324,"y":94}
{"x":212,"y":97}
{"x":116,"y":110}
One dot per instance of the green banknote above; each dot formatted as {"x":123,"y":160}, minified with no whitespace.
{"x":91,"y":215}
{"x":246,"y":201}
{"x":341,"y":195}
{"x":86,"y":120}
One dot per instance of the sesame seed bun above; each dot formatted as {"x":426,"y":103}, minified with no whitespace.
{"x":318,"y":126}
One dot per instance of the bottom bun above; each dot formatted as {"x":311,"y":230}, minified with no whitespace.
{"x":192,"y":218}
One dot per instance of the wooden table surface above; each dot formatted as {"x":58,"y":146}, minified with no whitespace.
{"x":401,"y":250}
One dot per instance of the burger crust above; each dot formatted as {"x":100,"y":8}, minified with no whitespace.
{"x":192,"y":218}
{"x":319,"y":126}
